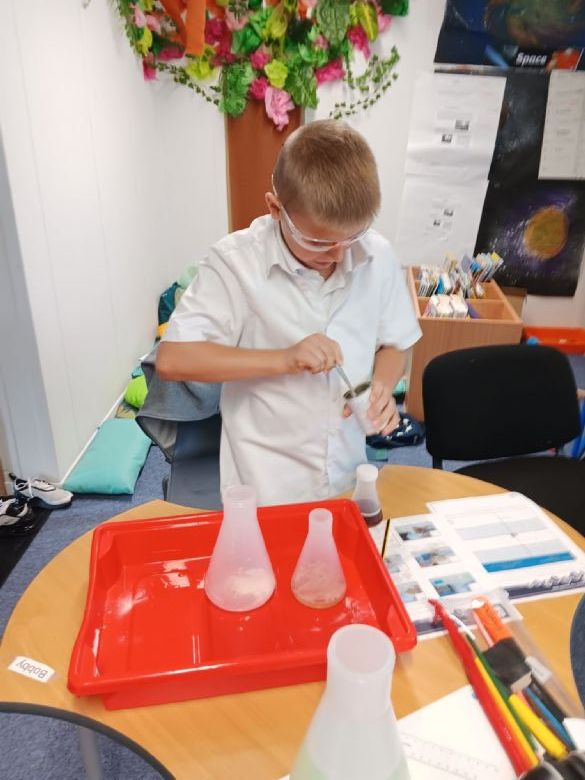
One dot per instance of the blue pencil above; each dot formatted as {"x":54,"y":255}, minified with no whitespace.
{"x":550,"y":719}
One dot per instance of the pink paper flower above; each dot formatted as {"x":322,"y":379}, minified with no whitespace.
{"x":170,"y":53}
{"x":260,"y":58}
{"x":139,"y":17}
{"x":330,"y":72}
{"x":384,"y":22}
{"x":359,"y":40}
{"x":258,"y":88}
{"x":153,"y":23}
{"x":235,"y":22}
{"x":321,"y":42}
{"x":215,"y":29}
{"x":148,"y":69}
{"x":278,"y":103}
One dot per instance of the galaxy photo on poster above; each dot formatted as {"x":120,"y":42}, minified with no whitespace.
{"x":538,"y":228}
{"x":513,"y":33}
{"x":519,"y":141}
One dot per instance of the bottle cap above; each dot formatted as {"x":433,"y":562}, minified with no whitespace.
{"x":367,"y":473}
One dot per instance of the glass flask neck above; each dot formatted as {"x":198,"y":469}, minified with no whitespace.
{"x":239,"y":504}
{"x":320,"y":523}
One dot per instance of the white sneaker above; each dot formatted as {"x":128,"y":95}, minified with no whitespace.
{"x":16,"y":517}
{"x":45,"y":492}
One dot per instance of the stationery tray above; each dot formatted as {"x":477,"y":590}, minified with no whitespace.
{"x":150,"y":635}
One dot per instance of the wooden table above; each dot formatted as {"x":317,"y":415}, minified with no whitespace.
{"x":251,"y":735}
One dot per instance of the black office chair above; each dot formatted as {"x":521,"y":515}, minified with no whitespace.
{"x":508,"y":402}
{"x":578,"y":649}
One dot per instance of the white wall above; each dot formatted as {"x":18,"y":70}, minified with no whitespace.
{"x":117,"y":185}
{"x":386,"y":126}
{"x":24,"y":422}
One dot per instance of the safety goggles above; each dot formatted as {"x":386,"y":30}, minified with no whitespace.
{"x":316,"y":244}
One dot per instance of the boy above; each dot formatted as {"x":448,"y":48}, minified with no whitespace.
{"x":275,"y":307}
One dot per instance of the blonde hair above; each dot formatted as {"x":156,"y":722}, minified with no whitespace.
{"x":326,"y":169}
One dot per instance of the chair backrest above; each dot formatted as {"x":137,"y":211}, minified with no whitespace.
{"x":577,"y":653}
{"x":499,"y":401}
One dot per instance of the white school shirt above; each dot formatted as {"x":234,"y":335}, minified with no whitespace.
{"x":286,"y":435}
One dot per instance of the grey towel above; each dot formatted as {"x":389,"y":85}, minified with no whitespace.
{"x":169,"y":403}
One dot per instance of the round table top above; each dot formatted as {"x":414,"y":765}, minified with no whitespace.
{"x":254,"y":734}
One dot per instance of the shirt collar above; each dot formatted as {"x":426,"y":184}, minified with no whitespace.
{"x":356,"y":255}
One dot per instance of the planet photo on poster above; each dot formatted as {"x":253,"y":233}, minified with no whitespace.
{"x":539,"y":231}
{"x":546,"y":232}
{"x":513,"y":33}
{"x":535,"y":24}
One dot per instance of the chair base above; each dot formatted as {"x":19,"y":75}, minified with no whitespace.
{"x":555,"y":483}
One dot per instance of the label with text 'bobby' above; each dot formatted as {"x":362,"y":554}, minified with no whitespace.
{"x":30,"y":668}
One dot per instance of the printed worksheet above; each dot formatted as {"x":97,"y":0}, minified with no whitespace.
{"x":453,"y":126}
{"x":502,"y":546}
{"x":563,"y":144}
{"x":515,"y":543}
{"x":437,"y":218}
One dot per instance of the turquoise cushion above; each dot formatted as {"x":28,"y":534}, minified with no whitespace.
{"x":112,"y":462}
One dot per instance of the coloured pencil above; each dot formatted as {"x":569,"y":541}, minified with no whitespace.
{"x":516,"y":725}
{"x":547,"y":698}
{"x":554,"y":724}
{"x":547,"y":738}
{"x":508,"y":715}
{"x":508,"y":739}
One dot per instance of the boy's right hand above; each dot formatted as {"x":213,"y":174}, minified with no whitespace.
{"x":316,"y":353}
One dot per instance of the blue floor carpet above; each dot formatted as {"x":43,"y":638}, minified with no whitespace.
{"x":35,"y":748}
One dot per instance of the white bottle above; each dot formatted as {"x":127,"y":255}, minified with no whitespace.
{"x":240,"y":575}
{"x":365,"y":493}
{"x":318,"y":580}
{"x":353,"y":734}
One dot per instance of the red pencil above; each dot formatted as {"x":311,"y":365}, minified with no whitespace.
{"x":499,"y":725}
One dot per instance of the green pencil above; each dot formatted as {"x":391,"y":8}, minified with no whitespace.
{"x":501,"y":688}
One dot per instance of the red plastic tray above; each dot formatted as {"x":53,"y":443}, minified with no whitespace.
{"x":150,"y":635}
{"x":568,"y":340}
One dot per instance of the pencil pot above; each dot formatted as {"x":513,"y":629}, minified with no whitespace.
{"x":353,"y":733}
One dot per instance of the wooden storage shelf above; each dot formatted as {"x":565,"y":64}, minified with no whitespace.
{"x":497,"y":323}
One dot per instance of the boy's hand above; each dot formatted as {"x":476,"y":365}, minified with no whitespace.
{"x":383,"y":409}
{"x":316,"y":353}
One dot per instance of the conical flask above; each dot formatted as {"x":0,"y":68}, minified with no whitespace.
{"x":365,"y":493}
{"x":353,"y":734}
{"x":240,"y":575}
{"x":318,"y":579}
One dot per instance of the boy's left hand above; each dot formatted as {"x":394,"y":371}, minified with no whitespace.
{"x":383,"y":409}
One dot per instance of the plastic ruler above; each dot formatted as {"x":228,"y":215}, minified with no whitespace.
{"x":453,"y":762}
